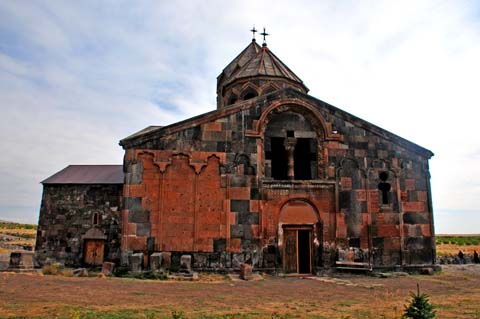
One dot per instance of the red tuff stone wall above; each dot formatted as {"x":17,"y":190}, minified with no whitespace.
{"x":177,"y":204}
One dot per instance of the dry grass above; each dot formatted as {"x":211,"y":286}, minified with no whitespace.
{"x":452,"y":244}
{"x":454,"y":292}
{"x":53,"y":269}
{"x":16,"y":235}
{"x":452,"y":249}
{"x":20,"y":232}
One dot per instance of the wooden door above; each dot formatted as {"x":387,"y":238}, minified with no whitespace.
{"x":93,"y":252}
{"x":304,"y":251}
{"x":290,"y":252}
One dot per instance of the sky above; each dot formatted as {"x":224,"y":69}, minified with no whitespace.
{"x":78,"y":76}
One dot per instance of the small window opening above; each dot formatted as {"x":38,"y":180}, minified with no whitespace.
{"x":250,"y":94}
{"x":290,"y":134}
{"x":233,"y":99}
{"x":95,"y":219}
{"x":384,"y":187}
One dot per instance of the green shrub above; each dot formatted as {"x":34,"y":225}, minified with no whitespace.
{"x":178,"y":315}
{"x":458,"y":240}
{"x":17,"y":226}
{"x":154,"y":275}
{"x":120,"y":271}
{"x":419,"y":307}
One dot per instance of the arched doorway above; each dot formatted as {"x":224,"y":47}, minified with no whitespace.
{"x":299,"y":225}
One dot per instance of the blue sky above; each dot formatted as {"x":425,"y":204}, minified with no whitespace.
{"x":76,"y":77}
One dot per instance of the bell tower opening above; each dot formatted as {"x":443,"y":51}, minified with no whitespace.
{"x":291,"y":148}
{"x":279,"y":158}
{"x":305,"y":158}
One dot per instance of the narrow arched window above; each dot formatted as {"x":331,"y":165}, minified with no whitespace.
{"x":249,"y":94}
{"x":384,"y":187}
{"x":232,"y":99}
{"x":95,"y":219}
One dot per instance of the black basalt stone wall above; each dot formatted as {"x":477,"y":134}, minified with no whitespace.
{"x":67,"y":212}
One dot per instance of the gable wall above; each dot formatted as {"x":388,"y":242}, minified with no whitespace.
{"x":242,"y":214}
{"x":66,"y":215}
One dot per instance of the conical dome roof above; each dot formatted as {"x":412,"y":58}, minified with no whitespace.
{"x":250,"y":51}
{"x":256,"y":61}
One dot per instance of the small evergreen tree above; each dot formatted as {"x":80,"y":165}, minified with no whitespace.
{"x":419,"y":307}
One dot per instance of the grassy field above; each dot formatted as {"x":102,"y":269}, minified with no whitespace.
{"x":462,"y":240}
{"x":451,"y":244}
{"x":454,"y":293}
{"x":15,"y":236}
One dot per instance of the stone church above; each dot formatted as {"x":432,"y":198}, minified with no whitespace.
{"x":273,"y":177}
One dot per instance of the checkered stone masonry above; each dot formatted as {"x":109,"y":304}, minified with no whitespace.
{"x":199,"y":187}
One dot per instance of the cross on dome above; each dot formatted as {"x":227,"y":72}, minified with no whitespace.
{"x":264,"y":33}
{"x":253,"y":31}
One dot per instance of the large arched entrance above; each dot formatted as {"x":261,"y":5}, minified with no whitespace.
{"x":299,"y":225}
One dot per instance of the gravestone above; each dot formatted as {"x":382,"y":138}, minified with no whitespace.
{"x":107,"y":268}
{"x":427,"y":271}
{"x":135,"y":262}
{"x":156,"y":261}
{"x":166,"y":260}
{"x":80,"y":272}
{"x":186,"y":264}
{"x":21,"y":261}
{"x":246,"y":271}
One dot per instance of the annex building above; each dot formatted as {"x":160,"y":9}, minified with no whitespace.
{"x":273,"y":177}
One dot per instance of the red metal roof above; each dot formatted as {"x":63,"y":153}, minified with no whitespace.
{"x":88,"y":174}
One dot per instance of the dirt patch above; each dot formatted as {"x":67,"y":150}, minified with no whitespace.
{"x":455,"y":292}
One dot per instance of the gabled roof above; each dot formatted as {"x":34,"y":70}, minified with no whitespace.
{"x":87,"y":174}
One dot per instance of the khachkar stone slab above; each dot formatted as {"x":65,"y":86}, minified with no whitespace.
{"x":21,"y":261}
{"x":186,"y":264}
{"x":166,"y":260}
{"x":246,"y":271}
{"x":156,"y":261}
{"x":107,"y":268}
{"x":135,"y":262}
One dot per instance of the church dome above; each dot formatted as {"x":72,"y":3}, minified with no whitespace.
{"x":255,"y":71}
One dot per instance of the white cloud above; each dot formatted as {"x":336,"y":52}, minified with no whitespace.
{"x":77,"y":77}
